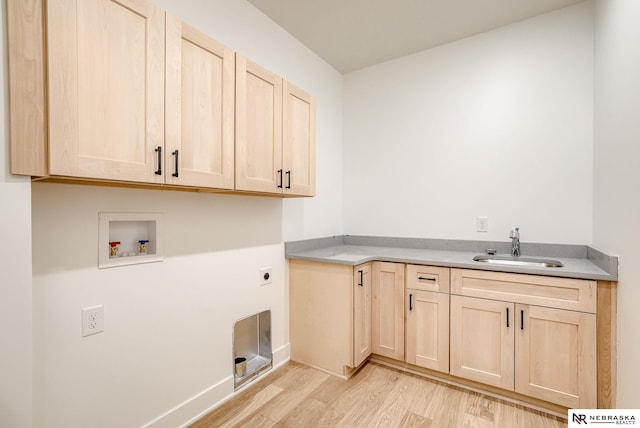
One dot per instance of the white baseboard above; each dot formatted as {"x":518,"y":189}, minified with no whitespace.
{"x":281,"y":355}
{"x":201,"y":404}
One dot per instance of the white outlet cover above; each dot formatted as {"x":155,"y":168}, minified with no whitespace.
{"x":92,"y":320}
{"x":482,"y":224}
{"x":266,"y":276}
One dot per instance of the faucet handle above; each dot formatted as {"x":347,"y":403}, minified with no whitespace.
{"x":515,"y":232}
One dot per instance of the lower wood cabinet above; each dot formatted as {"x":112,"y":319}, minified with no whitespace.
{"x":482,"y":340}
{"x":535,"y":335}
{"x":542,"y":352}
{"x":555,"y":354}
{"x":427,"y":317}
{"x":330,"y":315}
{"x":427,"y":330}
{"x":361,"y":314}
{"x":388,"y":310}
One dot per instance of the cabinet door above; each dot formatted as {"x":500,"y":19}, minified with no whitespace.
{"x":388,"y":310}
{"x":361,"y":314}
{"x":258,"y":128}
{"x":299,"y":141}
{"x":428,"y":329}
{"x":106,"y":89}
{"x":482,"y":340}
{"x":556,"y":356}
{"x":199,"y":103}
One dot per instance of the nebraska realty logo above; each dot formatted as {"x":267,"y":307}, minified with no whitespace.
{"x":582,"y":417}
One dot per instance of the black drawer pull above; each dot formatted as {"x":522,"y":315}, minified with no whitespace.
{"x":175,"y":153}
{"x":159,"y":152}
{"x":361,"y":283}
{"x":424,"y":278}
{"x":521,"y":320}
{"x":507,"y":317}
{"x":410,"y":302}
{"x":280,"y":179}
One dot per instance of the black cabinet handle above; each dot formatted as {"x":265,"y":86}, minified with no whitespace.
{"x":521,"y":320}
{"x":410,"y":302}
{"x":280,"y":179}
{"x":288,"y":179}
{"x":507,"y":317}
{"x":175,"y":153}
{"x":424,"y":278}
{"x":361,"y":283}
{"x":159,"y":151}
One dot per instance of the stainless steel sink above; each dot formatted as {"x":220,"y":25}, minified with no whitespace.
{"x":518,"y":261}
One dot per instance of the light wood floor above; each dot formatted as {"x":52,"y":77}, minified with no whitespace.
{"x":377,"y":396}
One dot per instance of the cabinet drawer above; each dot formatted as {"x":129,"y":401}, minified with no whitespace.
{"x":562,"y":293}
{"x":427,"y":278}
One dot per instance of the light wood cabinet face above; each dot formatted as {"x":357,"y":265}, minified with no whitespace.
{"x":562,"y":293}
{"x":200,"y":99}
{"x":543,"y":353}
{"x":428,"y":278}
{"x":361,"y":314}
{"x":321,"y":315}
{"x":27,"y":94}
{"x":258,"y":128}
{"x":427,"y":329}
{"x":388,"y":310}
{"x":118,"y":90}
{"x":299,"y":141}
{"x":554,"y":348}
{"x":482,"y":340}
{"x":106,"y":88}
{"x":555,"y":356}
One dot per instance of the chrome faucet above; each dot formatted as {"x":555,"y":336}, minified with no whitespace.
{"x":515,"y":241}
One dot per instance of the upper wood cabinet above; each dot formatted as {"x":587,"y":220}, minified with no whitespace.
{"x":299,"y":141}
{"x":258,"y":128}
{"x":275,"y":133}
{"x":106,"y":89}
{"x":199,"y":104}
{"x":120,"y":91}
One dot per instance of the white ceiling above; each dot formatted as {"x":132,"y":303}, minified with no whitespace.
{"x":352,"y":34}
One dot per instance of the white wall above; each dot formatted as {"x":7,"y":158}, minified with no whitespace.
{"x":496,"y":125}
{"x":168,"y":326}
{"x":617,"y":172}
{"x":15,"y":273}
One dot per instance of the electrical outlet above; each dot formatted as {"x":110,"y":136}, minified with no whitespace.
{"x":266,"y":276}
{"x":482,"y":224}
{"x":92,"y":320}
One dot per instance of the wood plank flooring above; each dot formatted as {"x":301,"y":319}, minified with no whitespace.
{"x":376,"y":396}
